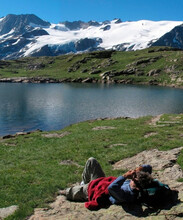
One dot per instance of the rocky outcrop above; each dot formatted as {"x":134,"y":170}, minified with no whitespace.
{"x":43,"y":51}
{"x":56,"y":135}
{"x":36,"y":66}
{"x":47,"y":80}
{"x":122,"y":47}
{"x":106,"y":28}
{"x":106,"y":79}
{"x":94,"y":23}
{"x":76,"y":25}
{"x":118,"y":21}
{"x":146,"y":61}
{"x":103,"y":128}
{"x":95,"y":72}
{"x":154,"y":72}
{"x":102,"y":54}
{"x":5,"y":212}
{"x":33,"y":33}
{"x":29,"y":80}
{"x":19,"y":134}
{"x":86,"y":44}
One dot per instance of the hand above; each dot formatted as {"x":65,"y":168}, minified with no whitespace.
{"x":130,"y":174}
{"x":139,"y":169}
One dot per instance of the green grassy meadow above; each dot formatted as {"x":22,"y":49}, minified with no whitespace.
{"x":31,"y":172}
{"x":156,"y":65}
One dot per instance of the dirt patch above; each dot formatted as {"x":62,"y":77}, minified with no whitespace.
{"x":154,"y":120}
{"x":150,"y":134}
{"x":103,"y":128}
{"x":56,"y":135}
{"x":170,"y":122}
{"x":175,"y":118}
{"x":69,"y":162}
{"x":10,"y":144}
{"x":166,"y":170}
{"x":5,"y":143}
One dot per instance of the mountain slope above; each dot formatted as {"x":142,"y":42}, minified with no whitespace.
{"x":174,"y":38}
{"x":28,"y":35}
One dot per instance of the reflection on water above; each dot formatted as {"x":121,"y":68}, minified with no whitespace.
{"x":25,"y":107}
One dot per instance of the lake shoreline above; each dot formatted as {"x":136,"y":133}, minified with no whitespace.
{"x":82,"y":80}
{"x":22,"y":133}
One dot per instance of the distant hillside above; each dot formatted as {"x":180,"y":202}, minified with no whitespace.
{"x":153,"y":66}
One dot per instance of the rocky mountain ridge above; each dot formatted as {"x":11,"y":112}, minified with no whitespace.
{"x":28,"y":35}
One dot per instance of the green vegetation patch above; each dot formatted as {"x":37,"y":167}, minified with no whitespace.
{"x":156,"y":65}
{"x":34,"y":167}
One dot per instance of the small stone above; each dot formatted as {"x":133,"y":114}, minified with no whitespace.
{"x":153,"y":72}
{"x":69,"y":162}
{"x":8,"y":136}
{"x":103,"y":128}
{"x":52,"y":135}
{"x":84,"y":71}
{"x":5,"y":212}
{"x":95,"y":72}
{"x":150,"y":134}
{"x":115,"y":145}
{"x":87,"y":80}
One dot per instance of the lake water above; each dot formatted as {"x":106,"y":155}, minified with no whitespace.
{"x":25,"y":107}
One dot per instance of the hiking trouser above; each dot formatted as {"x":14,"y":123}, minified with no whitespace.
{"x":91,"y":172}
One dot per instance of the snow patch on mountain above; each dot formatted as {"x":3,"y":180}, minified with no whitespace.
{"x":137,"y":34}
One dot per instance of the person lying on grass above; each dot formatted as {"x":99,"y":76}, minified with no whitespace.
{"x":98,"y":191}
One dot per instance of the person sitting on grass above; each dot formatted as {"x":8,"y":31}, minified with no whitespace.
{"x":98,"y":191}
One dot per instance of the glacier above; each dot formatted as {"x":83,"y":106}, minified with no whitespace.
{"x":60,"y":39}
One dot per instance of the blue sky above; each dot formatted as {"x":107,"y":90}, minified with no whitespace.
{"x":99,"y":10}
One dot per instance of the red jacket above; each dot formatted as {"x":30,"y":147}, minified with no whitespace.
{"x":98,"y":194}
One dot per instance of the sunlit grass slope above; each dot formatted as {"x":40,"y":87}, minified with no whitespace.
{"x":156,"y":65}
{"x":31,"y":171}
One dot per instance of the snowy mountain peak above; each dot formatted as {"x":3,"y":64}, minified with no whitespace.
{"x":28,"y":35}
{"x":19,"y":23}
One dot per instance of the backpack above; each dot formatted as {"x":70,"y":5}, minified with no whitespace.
{"x":156,"y":196}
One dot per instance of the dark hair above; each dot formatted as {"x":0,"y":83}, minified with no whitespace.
{"x":143,"y":179}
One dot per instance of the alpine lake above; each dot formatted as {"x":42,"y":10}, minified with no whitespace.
{"x":27,"y":107}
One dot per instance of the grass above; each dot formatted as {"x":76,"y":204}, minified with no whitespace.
{"x":30,"y":168}
{"x":167,"y":61}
